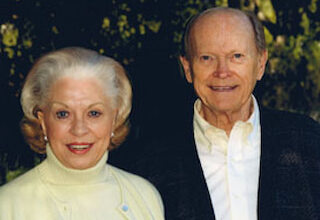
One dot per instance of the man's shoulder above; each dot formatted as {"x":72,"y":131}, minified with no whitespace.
{"x":280,"y":120}
{"x":291,"y":133}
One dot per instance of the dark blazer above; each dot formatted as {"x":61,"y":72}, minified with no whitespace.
{"x":289,"y":183}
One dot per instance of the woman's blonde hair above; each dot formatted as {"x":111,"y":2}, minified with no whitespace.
{"x":64,"y":62}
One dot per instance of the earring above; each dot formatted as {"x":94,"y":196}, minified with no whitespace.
{"x":112,"y":134}
{"x":45,"y":138}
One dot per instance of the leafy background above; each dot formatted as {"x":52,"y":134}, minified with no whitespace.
{"x":145,"y":36}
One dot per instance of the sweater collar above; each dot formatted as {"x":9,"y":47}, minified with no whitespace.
{"x":53,"y":171}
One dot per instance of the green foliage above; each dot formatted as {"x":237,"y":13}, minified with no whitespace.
{"x":294,"y":64}
{"x":313,"y":6}
{"x":185,"y":10}
{"x":267,"y":11}
{"x":9,"y":171}
{"x":126,"y":28}
{"x":222,"y":3}
{"x":12,"y":174}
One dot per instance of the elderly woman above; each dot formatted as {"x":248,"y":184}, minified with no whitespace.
{"x":76,"y":104}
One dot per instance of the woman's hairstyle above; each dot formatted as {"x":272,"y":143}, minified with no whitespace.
{"x":74,"y":62}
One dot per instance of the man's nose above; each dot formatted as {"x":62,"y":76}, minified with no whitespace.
{"x":79,"y":127}
{"x":222,"y":69}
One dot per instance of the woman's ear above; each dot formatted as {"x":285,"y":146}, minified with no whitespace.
{"x":40,"y":117}
{"x":114,"y":122}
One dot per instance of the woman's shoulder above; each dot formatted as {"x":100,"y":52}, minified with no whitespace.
{"x":20,"y":185}
{"x":139,"y":184}
{"x":134,"y":179}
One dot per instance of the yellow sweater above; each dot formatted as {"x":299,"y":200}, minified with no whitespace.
{"x":51,"y":191}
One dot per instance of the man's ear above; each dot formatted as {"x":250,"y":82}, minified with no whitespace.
{"x":40,"y":117}
{"x":262,"y":64}
{"x":186,"y":68}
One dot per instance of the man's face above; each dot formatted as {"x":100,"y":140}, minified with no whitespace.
{"x":224,"y":64}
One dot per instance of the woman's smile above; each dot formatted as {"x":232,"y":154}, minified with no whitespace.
{"x":79,"y":148}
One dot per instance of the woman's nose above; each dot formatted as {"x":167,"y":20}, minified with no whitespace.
{"x":79,"y":127}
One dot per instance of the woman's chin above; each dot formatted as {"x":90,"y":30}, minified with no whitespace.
{"x":81,"y":165}
{"x":80,"y":162}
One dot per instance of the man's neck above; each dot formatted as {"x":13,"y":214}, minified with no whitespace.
{"x":226,"y":119}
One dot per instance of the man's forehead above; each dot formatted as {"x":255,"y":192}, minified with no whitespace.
{"x":223,"y":29}
{"x":235,"y":17}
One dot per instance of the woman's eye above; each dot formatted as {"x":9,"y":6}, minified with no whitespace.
{"x":94,"y":114}
{"x":62,"y":114}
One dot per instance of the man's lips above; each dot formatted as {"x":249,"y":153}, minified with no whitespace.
{"x":223,"y":88}
{"x":79,"y":148}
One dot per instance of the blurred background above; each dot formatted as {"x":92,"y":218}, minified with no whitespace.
{"x":145,"y":36}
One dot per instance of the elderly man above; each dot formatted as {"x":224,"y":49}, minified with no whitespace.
{"x":232,"y":159}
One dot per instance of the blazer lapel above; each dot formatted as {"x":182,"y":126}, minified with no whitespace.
{"x":200,"y":202}
{"x":204,"y":200}
{"x":266,"y":203}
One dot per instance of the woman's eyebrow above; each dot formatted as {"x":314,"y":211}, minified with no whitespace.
{"x":58,"y":103}
{"x":96,"y":103}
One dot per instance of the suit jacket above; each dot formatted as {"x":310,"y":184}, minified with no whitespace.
{"x":289,"y":182}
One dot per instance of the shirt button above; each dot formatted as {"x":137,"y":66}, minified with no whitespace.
{"x":236,"y":196}
{"x":237,"y":158}
{"x":125,"y":208}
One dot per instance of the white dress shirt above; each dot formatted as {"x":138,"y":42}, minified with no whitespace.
{"x":230,"y":164}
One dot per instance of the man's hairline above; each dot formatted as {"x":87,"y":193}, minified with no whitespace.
{"x":212,"y":12}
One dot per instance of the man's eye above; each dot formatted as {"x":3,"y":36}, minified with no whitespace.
{"x":94,"y":114}
{"x":205,"y":58}
{"x":237,"y":58}
{"x":237,"y":55}
{"x":62,"y":114}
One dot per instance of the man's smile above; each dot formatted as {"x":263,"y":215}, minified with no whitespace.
{"x":223,"y":88}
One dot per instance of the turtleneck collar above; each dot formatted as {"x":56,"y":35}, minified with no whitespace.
{"x":53,"y":171}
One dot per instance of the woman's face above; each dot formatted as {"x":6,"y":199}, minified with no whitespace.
{"x":78,"y":120}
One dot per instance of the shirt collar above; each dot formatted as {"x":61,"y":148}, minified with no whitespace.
{"x":255,"y":121}
{"x":204,"y":129}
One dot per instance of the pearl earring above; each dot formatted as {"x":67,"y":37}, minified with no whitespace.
{"x":112,"y":134}
{"x":45,"y":138}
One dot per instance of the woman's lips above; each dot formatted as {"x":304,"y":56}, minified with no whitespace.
{"x":79,"y":148}
{"x":222,"y":88}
